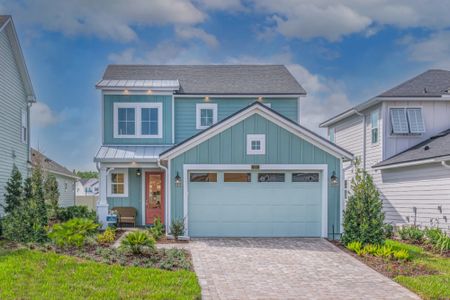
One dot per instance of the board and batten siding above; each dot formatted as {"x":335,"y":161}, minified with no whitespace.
{"x":282,"y":147}
{"x":13,"y":101}
{"x":185,"y":111}
{"x":108,"y":119}
{"x":425,"y":187}
{"x":66,"y":193}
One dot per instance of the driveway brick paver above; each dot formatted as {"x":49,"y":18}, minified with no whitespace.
{"x":260,"y":268}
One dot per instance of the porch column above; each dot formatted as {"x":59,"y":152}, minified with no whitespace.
{"x":102,"y":203}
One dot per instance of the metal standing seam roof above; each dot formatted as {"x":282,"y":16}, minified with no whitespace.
{"x":213,"y":79}
{"x":139,"y":84}
{"x":129,"y":153}
{"x":434,"y":147}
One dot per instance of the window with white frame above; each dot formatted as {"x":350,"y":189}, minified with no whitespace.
{"x":407,"y":121}
{"x":118,"y":183}
{"x":24,"y":128}
{"x":206,"y":115}
{"x":256,"y":144}
{"x":374,"y":121}
{"x":137,"y":120}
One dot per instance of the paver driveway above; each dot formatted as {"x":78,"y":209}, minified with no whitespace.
{"x":286,"y":269}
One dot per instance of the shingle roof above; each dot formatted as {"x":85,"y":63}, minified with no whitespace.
{"x":3,"y":19}
{"x":432,"y":83}
{"x":435,"y":147}
{"x":214,"y":79}
{"x":48,"y":164}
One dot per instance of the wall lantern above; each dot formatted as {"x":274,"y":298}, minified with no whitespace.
{"x":178,"y":180}
{"x":138,"y":172}
{"x":334,"y":178}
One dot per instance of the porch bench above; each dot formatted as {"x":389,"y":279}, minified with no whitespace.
{"x":127,"y":215}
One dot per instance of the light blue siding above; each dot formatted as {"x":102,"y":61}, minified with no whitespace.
{"x":134,"y":198}
{"x":12,"y":101}
{"x":185,"y":111}
{"x":108,"y":119}
{"x":252,"y":209}
{"x":282,"y":147}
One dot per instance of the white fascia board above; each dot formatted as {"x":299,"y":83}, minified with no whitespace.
{"x":413,"y":163}
{"x":216,"y":96}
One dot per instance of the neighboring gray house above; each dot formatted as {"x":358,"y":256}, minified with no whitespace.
{"x":87,"y":187}
{"x":66,"y":179}
{"x":16,"y":97}
{"x":403,"y":139}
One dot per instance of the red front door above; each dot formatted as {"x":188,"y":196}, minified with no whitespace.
{"x":154,"y":196}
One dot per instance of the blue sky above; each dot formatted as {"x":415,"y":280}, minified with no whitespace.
{"x":342,"y":52}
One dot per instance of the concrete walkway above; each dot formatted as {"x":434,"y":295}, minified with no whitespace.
{"x":286,"y":269}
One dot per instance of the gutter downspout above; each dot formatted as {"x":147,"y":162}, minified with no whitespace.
{"x":364,"y":138}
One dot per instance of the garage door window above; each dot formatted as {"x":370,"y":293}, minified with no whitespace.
{"x":305,"y":177}
{"x":237,"y":177}
{"x":203,"y":177}
{"x":271,"y":177}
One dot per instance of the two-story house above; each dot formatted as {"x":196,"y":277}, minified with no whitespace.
{"x":219,"y":146}
{"x":16,"y":97}
{"x":403,"y":139}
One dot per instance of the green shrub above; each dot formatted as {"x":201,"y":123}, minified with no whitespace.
{"x":433,"y":235}
{"x":354,"y":246}
{"x":73,"y":232}
{"x":443,"y":243}
{"x":384,"y":251}
{"x":388,"y":231}
{"x":65,"y":214}
{"x":371,"y":249}
{"x":157,"y":230}
{"x":107,"y":237}
{"x":401,"y":255}
{"x":177,"y":228}
{"x":51,"y":193}
{"x":411,"y":233}
{"x":363,"y":215}
{"x":137,"y":242}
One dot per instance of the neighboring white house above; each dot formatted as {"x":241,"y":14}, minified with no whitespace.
{"x":16,"y":97}
{"x":87,"y":187}
{"x":65,"y":178}
{"x":403,"y":139}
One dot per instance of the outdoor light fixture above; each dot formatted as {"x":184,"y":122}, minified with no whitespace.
{"x":333,"y":178}
{"x":125,"y":91}
{"x":149,"y":91}
{"x":206,"y":98}
{"x":259,"y":98}
{"x":178,"y":180}
{"x":138,"y":172}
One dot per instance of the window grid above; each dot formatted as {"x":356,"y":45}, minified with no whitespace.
{"x":399,"y":121}
{"x":149,"y":121}
{"x":256,"y":145}
{"x":206,"y":117}
{"x":415,"y":120}
{"x":126,"y":121}
{"x":118,"y":183}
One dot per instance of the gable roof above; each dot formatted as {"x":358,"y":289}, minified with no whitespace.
{"x":213,"y":79}
{"x":432,"y":149}
{"x":7,"y":25}
{"x":430,"y":84}
{"x":272,"y":115}
{"x":49,"y":165}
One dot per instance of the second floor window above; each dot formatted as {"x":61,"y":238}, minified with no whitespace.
{"x":138,"y":120}
{"x":374,"y":116}
{"x":24,"y":128}
{"x":206,"y":115}
{"x":406,"y":121}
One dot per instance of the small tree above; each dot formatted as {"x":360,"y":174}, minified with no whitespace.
{"x":51,"y":194}
{"x":363,"y":215}
{"x":38,"y":196}
{"x":13,"y":195}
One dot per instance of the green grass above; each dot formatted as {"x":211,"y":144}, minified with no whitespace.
{"x":28,"y":274}
{"x":427,"y":286}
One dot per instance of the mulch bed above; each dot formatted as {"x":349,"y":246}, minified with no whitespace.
{"x":389,"y":268}
{"x":165,"y":240}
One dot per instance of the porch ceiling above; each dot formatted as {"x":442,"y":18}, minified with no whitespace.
{"x":129,"y":153}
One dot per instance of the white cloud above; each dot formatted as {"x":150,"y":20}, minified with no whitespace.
{"x":188,"y":33}
{"x":433,"y":50}
{"x":42,"y":115}
{"x":103,"y":18}
{"x":229,"y":5}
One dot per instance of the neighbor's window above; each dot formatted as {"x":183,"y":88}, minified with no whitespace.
{"x":237,"y":177}
{"x":271,"y":177}
{"x":126,"y":121}
{"x":374,"y":116}
{"x":118,"y":181}
{"x":256,"y":144}
{"x":206,"y":115}
{"x":65,"y":186}
{"x":138,"y":120}
{"x":415,"y":120}
{"x":331,"y":134}
{"x":203,"y":177}
{"x":24,"y":129}
{"x":305,"y":177}
{"x":407,"y":120}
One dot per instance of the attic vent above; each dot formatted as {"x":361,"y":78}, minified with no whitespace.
{"x":425,"y":90}
{"x":426,"y":148}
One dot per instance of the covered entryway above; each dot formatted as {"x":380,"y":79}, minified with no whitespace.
{"x":250,"y":203}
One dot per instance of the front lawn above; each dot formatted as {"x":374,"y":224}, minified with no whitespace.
{"x":434,"y":286}
{"x":31,"y":274}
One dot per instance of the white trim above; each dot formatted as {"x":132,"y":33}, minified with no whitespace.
{"x":173,"y":119}
{"x":409,"y":133}
{"x":137,"y":119}
{"x":143,"y":200}
{"x":261,"y":138}
{"x":168,"y":197}
{"x":268,"y":104}
{"x":220,"y":167}
{"x":341,"y":197}
{"x":413,"y":163}
{"x":125,"y":187}
{"x":129,"y":165}
{"x":213,"y":96}
{"x":198,"y":109}
{"x":269,"y":115}
{"x":299,"y":110}
{"x":124,"y":91}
